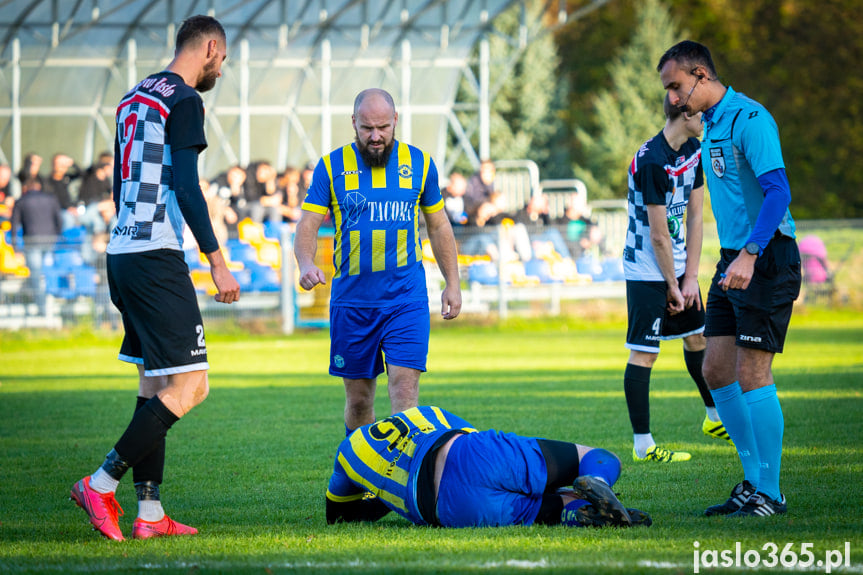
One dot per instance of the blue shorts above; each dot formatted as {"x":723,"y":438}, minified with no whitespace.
{"x":492,"y":479}
{"x":360,"y":338}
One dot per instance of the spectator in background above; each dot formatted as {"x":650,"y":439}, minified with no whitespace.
{"x":535,"y":217}
{"x":30,"y":170}
{"x":289,"y":187}
{"x":262,"y":198}
{"x":230,"y":186}
{"x":63,"y":172}
{"x":453,"y":199}
{"x":7,"y":198}
{"x":96,"y":184}
{"x":480,"y":190}
{"x":38,"y":215}
{"x":306,"y":181}
{"x":219,"y":210}
{"x":582,"y":232}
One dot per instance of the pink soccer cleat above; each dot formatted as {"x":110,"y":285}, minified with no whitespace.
{"x":164,"y":527}
{"x":102,"y":508}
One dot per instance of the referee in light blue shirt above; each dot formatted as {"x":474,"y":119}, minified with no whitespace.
{"x":758,"y":276}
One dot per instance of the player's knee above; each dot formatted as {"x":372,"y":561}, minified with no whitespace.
{"x":600,"y":463}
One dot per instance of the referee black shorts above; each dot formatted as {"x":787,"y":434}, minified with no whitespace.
{"x":758,"y":316}
{"x":156,"y":297}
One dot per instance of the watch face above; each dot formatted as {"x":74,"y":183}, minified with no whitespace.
{"x":752,"y":248}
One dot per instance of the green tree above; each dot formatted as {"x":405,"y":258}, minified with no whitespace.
{"x":525,"y":94}
{"x":630,"y":110}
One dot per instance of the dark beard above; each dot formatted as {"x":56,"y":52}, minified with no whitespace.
{"x":208,"y":82}
{"x":375,"y":159}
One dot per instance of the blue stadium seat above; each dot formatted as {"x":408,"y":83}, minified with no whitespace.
{"x":72,"y":237}
{"x":66,"y":259}
{"x":264,"y":278}
{"x":243,"y":252}
{"x":484,"y":273}
{"x":539,"y":268}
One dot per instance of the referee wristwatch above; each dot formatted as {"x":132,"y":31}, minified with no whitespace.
{"x":752,"y":248}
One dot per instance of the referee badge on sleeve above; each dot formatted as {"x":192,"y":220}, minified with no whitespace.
{"x":717,"y":161}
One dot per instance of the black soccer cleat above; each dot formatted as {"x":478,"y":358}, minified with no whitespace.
{"x":760,"y":505}
{"x":739,"y":495}
{"x":605,"y":509}
{"x":639,"y":518}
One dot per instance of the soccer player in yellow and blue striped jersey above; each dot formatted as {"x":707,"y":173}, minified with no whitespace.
{"x":375,"y":189}
{"x":433,"y":468}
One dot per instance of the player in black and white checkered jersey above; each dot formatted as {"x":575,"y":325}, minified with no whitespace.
{"x":661,"y":267}
{"x":160,"y":132}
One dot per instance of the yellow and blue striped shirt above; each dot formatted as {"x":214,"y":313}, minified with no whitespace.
{"x":385,"y":457}
{"x":377,"y":253}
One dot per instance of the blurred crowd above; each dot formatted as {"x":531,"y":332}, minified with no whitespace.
{"x":42,"y":202}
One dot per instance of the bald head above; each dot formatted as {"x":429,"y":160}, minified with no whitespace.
{"x":374,"y":122}
{"x":375,"y":94}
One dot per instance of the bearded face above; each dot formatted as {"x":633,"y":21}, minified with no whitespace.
{"x":209,"y":76}
{"x":375,"y":153}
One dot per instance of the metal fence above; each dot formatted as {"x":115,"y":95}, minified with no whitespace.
{"x":504,"y":269}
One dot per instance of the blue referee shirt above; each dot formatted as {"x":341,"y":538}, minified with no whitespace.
{"x":740,"y":144}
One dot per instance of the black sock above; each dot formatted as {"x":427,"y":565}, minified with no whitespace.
{"x":636,"y":388}
{"x":561,"y":463}
{"x":151,"y":468}
{"x":693,"y":360}
{"x":147,"y":429}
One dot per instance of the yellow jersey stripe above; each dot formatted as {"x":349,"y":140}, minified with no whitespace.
{"x":426,"y":162}
{"x":337,"y":217}
{"x":355,"y":253}
{"x":315,"y":208}
{"x":402,"y":248}
{"x":349,"y":159}
{"x":433,"y":208}
{"x":379,"y":250}
{"x":385,"y":495}
{"x":379,"y":177}
{"x":344,"y":498}
{"x":367,"y":455}
{"x":405,"y":176}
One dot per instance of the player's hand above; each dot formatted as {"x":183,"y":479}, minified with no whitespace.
{"x":690,"y":293}
{"x":311,"y":276}
{"x":739,"y":273}
{"x":675,"y":300}
{"x":229,"y":289}
{"x":450,"y":302}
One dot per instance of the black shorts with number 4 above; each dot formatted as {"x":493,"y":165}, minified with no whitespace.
{"x":649,"y":319}
{"x":758,"y":316}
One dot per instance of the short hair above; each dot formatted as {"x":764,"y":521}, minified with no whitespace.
{"x":196,"y":28}
{"x":671,"y":112}
{"x":362,"y":96}
{"x":688,"y":53}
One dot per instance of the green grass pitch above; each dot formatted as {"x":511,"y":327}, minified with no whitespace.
{"x":249,"y":467}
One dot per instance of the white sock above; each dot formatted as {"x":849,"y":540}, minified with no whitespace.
{"x":101,"y":482}
{"x":642,"y":442}
{"x":712,"y":415}
{"x":150,"y":510}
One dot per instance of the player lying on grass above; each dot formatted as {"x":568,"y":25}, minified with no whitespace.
{"x":434,"y":468}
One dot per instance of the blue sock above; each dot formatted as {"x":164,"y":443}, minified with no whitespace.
{"x":348,"y":430}
{"x":734,"y":412}
{"x":568,"y":516}
{"x":600,"y":463}
{"x":768,"y":425}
